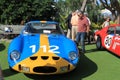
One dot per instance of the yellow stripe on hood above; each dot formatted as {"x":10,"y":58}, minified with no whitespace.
{"x":44,"y":49}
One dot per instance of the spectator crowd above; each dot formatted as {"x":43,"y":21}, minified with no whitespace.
{"x":78,"y":27}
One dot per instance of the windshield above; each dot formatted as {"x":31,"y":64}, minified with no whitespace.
{"x":42,"y":28}
{"x":118,"y":30}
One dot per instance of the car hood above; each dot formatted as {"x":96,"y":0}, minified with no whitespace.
{"x":37,"y":46}
{"x":47,"y":45}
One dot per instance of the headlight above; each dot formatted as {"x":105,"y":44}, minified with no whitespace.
{"x":15,"y":55}
{"x":72,"y":55}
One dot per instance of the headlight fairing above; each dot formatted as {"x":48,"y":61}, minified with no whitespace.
{"x":15,"y":55}
{"x":72,"y":55}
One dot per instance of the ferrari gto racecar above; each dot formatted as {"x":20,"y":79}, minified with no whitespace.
{"x":109,"y":38}
{"x":42,"y":48}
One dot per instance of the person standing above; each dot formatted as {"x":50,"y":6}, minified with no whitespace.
{"x":83,"y":28}
{"x":88,"y":35}
{"x":106,"y":23}
{"x":69,"y":25}
{"x":74,"y":22}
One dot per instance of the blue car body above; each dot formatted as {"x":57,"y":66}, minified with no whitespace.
{"x":39,"y":51}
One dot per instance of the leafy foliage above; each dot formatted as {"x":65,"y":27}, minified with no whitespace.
{"x":65,"y":8}
{"x":113,"y":6}
{"x":96,"y":26}
{"x":14,"y":11}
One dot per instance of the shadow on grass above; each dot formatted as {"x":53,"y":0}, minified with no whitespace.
{"x":94,"y":50}
{"x":85,"y":68}
{"x":2,"y":47}
{"x":114,"y":54}
{"x":8,"y":72}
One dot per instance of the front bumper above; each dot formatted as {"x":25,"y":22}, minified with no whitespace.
{"x":44,"y":65}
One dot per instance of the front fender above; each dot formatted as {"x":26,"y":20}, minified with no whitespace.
{"x":16,"y":44}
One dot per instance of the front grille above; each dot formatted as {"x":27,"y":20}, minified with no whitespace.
{"x":45,"y":69}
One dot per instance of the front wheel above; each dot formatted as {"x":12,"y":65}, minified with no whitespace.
{"x":99,"y":43}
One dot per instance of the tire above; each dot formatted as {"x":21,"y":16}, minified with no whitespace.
{"x":99,"y":43}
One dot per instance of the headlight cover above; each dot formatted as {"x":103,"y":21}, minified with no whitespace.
{"x":72,"y":55}
{"x":15,"y":55}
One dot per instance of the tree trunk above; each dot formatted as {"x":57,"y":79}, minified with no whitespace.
{"x":83,"y":5}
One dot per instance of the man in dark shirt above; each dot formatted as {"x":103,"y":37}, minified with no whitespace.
{"x":68,"y":21}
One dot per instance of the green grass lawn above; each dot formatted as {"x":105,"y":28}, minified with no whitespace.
{"x":94,"y":65}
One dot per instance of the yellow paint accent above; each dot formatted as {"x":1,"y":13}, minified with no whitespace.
{"x":40,"y":62}
{"x":43,"y":21}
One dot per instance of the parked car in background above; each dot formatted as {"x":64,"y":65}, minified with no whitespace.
{"x":109,"y":38}
{"x":42,"y":48}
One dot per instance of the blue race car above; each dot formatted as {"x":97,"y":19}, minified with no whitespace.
{"x":42,"y":48}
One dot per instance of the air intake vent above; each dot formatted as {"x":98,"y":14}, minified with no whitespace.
{"x":55,"y":58}
{"x":45,"y":69}
{"x":44,"y":57}
{"x":33,"y":57}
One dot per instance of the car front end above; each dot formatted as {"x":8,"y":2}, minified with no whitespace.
{"x":43,"y":54}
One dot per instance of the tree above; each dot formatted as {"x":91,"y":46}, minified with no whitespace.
{"x":15,"y":11}
{"x":83,"y":5}
{"x":66,"y":7}
{"x":114,"y":7}
{"x":93,"y":10}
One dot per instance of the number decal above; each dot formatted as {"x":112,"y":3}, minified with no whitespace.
{"x":33,"y":47}
{"x":108,"y":41}
{"x":44,"y":48}
{"x":54,"y":49}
